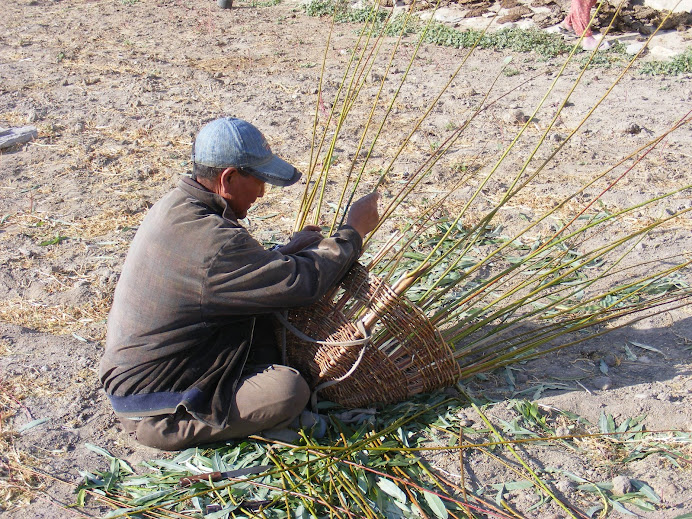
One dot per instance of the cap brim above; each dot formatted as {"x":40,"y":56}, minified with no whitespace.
{"x":277,"y":172}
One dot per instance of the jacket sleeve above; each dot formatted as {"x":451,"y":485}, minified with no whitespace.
{"x":245,"y":278}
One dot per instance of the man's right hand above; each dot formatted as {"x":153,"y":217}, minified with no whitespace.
{"x":363,"y":216}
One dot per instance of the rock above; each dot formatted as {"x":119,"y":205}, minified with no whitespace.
{"x":633,"y":129}
{"x":515,"y":117}
{"x":602,"y":383}
{"x":562,"y":431}
{"x":449,"y":15}
{"x":661,"y":53}
{"x":565,"y":486}
{"x":13,"y":136}
{"x":621,"y":485}
{"x":610,"y":360}
{"x":682,"y":6}
{"x":634,"y":48}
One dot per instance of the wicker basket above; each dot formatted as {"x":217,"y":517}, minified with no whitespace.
{"x":405,"y":354}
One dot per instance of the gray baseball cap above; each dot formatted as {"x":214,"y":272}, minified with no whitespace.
{"x":228,"y":142}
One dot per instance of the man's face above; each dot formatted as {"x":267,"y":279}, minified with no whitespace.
{"x":242,"y":191}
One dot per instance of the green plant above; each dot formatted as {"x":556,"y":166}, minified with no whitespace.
{"x":681,"y":64}
{"x":509,"y":72}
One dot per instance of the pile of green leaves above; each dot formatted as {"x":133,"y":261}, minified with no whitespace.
{"x":357,"y":470}
{"x":378,"y":466}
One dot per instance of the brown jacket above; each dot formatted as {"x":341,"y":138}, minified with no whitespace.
{"x":184,"y":311}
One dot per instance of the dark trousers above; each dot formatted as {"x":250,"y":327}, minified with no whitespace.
{"x":269,"y":398}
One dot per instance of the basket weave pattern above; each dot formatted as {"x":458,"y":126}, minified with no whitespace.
{"x":406,"y":355}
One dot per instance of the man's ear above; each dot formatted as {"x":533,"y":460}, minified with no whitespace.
{"x":224,"y":181}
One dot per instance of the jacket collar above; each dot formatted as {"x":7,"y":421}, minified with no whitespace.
{"x":215,"y":202}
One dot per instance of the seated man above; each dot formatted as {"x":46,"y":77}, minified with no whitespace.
{"x":190,"y":353}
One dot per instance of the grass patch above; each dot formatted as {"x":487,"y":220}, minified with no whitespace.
{"x":542,"y":43}
{"x":681,"y":64}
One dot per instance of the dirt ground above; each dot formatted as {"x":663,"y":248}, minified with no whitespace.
{"x":117,"y":88}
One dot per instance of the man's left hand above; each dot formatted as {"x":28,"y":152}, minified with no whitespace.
{"x":310,"y":235}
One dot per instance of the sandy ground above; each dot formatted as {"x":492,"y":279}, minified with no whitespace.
{"x":117,"y":89}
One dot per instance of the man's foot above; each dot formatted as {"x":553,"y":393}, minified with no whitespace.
{"x":591,"y":43}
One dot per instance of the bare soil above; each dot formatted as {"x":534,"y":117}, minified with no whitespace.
{"x":117,"y":89}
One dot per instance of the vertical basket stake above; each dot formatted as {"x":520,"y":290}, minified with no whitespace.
{"x":401,"y":286}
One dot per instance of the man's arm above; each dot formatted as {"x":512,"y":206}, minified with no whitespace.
{"x":246,"y":278}
{"x":363,"y":217}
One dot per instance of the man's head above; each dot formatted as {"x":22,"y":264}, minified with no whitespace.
{"x":232,"y":158}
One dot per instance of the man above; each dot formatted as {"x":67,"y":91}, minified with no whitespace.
{"x":190,"y":352}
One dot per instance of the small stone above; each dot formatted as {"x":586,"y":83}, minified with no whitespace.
{"x":558,"y":137}
{"x":633,"y":129}
{"x":610,"y":360}
{"x":32,"y":116}
{"x":644,"y":359}
{"x":621,"y":485}
{"x":565,"y":486}
{"x":664,"y":397}
{"x":635,"y":47}
{"x":515,"y":117}
{"x":562,"y":431}
{"x":602,"y":383}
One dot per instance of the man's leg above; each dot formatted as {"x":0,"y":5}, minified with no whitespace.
{"x":267,"y":399}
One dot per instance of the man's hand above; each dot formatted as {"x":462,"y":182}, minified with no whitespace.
{"x":302,"y":239}
{"x":363,"y":216}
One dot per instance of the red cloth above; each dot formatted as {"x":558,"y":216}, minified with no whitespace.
{"x":579,"y":16}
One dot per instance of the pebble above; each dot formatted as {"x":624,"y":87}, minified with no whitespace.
{"x":565,"y":486}
{"x":635,"y":47}
{"x":562,"y":431}
{"x":621,"y":485}
{"x":633,"y":129}
{"x":515,"y":117}
{"x":602,"y":383}
{"x":610,"y":360}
